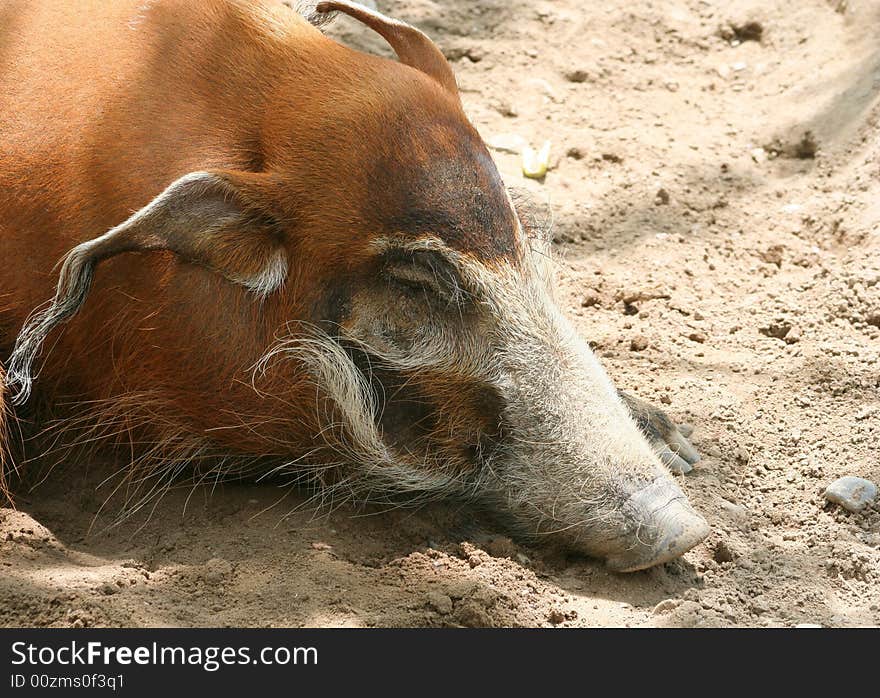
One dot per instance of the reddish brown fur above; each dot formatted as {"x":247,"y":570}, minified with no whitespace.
{"x":104,"y":104}
{"x":4,"y":458}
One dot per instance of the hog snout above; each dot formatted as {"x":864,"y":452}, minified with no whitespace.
{"x":664,"y":527}
{"x":578,"y":468}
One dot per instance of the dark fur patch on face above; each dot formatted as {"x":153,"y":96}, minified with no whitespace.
{"x":406,"y":416}
{"x":434,"y":415}
{"x":444,"y":184}
{"x":333,"y":306}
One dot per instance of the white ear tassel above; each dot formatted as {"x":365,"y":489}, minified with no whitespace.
{"x":271,"y":278}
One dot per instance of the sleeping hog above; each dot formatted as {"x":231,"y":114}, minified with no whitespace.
{"x":281,"y":257}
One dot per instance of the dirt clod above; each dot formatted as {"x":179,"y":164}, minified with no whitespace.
{"x":556,"y":617}
{"x":745,"y":31}
{"x":440,"y":602}
{"x":777,"y":329}
{"x":773,"y":255}
{"x":577,"y":75}
{"x":639,"y":343}
{"x":722,"y":552}
{"x":472,"y":615}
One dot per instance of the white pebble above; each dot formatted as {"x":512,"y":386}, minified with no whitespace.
{"x":507,"y":143}
{"x":852,"y":493}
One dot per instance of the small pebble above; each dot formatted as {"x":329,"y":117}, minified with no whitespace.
{"x":577,"y":75}
{"x":665,"y":606}
{"x":439,"y":602}
{"x":507,"y":143}
{"x":556,"y":616}
{"x":638,"y":343}
{"x":852,"y":493}
{"x":507,"y":109}
{"x":759,"y":605}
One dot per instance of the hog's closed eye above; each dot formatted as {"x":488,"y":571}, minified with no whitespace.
{"x":414,"y":278}
{"x":424,"y":275}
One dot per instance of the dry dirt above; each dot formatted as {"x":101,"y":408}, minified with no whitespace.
{"x":739,"y":288}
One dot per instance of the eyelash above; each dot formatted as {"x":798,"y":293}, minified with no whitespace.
{"x":424,"y":289}
{"x":412,"y":285}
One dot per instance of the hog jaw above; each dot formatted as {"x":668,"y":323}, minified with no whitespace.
{"x":577,"y":468}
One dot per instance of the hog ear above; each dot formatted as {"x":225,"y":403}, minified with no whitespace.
{"x":203,"y":217}
{"x":412,"y":46}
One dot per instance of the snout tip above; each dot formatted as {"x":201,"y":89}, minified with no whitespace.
{"x":668,"y":528}
{"x":670,"y":547}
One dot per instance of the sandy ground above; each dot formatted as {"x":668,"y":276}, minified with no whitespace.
{"x":737,"y":287}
